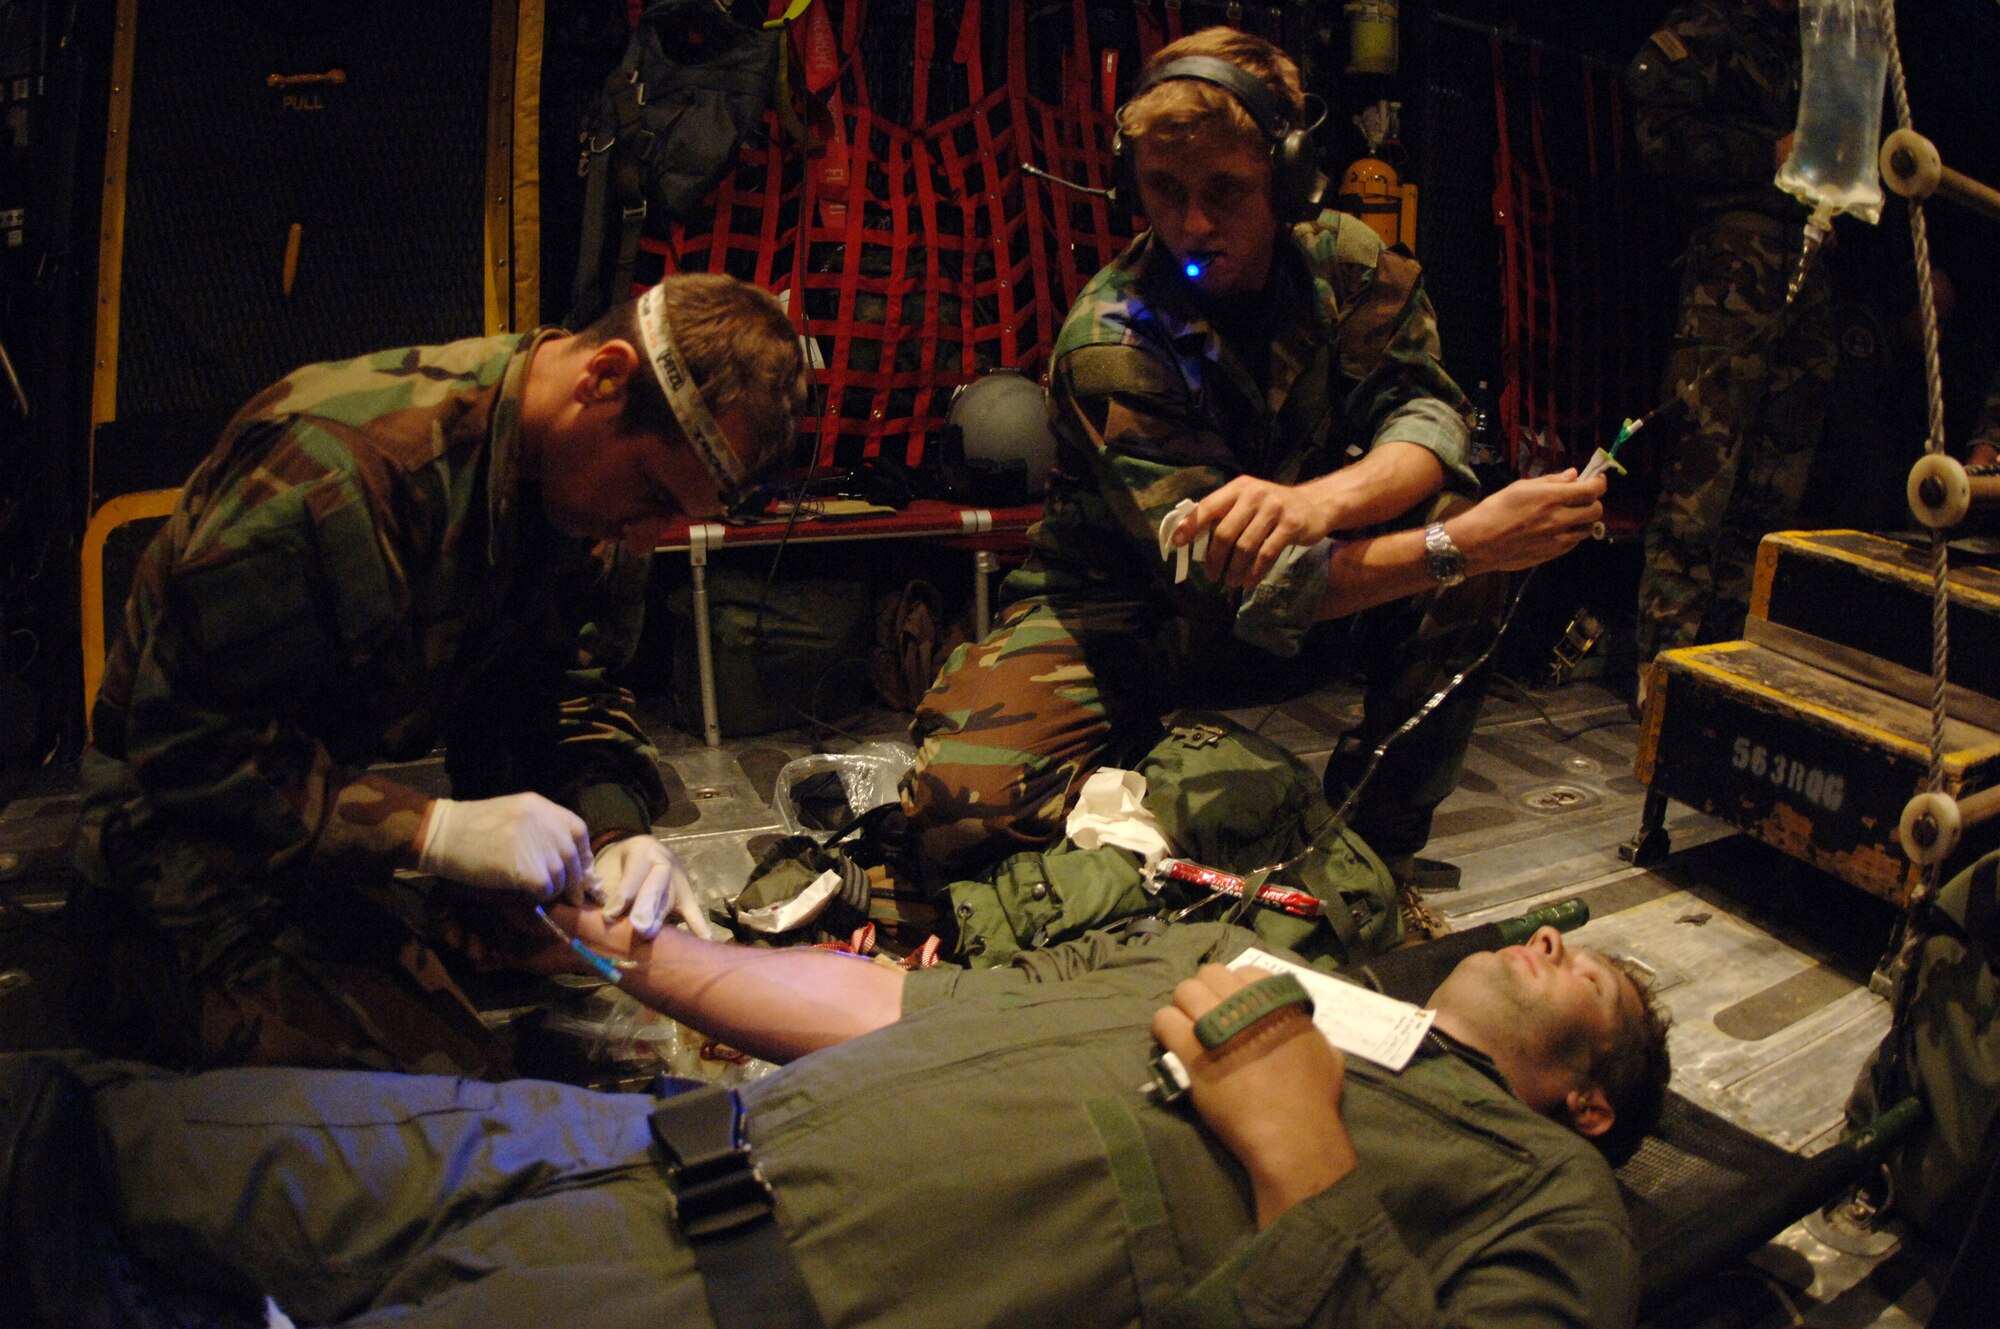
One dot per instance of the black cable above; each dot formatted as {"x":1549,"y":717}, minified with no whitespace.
{"x":798,"y":503}
{"x":1527,"y":695}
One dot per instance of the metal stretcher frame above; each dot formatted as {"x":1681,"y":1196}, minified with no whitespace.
{"x":984,"y":532}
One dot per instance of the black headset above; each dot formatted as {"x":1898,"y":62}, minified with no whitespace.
{"x":1296,"y":184}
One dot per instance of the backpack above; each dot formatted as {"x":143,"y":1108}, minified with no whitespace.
{"x":666,"y":126}
{"x":1229,"y":798}
{"x":1944,"y":1047}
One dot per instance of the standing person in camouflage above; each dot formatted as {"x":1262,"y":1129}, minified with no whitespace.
{"x":1034,"y":1181}
{"x":1717,"y":92}
{"x":1284,"y":378}
{"x":414,"y":546}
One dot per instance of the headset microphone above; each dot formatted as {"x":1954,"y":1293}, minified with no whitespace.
{"x":1191,"y":267}
{"x":1040,"y":174}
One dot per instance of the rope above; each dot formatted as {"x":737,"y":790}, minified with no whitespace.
{"x":1933,"y":445}
{"x":1909,"y":925}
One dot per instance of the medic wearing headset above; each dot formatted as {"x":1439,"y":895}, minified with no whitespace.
{"x":1273,"y":365}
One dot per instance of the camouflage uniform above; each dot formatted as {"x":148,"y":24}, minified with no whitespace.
{"x":1079,"y":1201}
{"x":1944,"y":1048}
{"x":1717,"y":87}
{"x":355,"y":572}
{"x":1151,"y":404}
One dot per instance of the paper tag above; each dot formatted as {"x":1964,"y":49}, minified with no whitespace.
{"x":1359,"y":1022}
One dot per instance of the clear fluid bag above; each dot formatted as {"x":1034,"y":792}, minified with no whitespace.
{"x":1845,"y":63}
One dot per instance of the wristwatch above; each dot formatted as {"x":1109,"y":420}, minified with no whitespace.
{"x":1445,"y":560}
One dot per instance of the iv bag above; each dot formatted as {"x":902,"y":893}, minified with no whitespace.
{"x":1845,"y":61}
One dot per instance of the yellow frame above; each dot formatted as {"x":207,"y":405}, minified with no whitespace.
{"x":513,"y":231}
{"x":512,"y":250}
{"x":125,"y":508}
{"x":513,"y":267}
{"x":111,"y":230}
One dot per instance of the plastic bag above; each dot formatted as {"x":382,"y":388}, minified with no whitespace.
{"x":821,"y":794}
{"x":609,"y":1028}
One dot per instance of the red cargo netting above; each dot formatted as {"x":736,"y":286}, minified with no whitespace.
{"x":914,"y":258}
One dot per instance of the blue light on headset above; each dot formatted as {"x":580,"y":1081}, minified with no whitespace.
{"x":1193,"y":270}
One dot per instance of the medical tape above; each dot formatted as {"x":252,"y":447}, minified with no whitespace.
{"x":1196,"y":550}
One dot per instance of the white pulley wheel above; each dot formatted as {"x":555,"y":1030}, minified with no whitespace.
{"x":1910,"y":164}
{"x":1931,"y":818}
{"x":1939,"y":491}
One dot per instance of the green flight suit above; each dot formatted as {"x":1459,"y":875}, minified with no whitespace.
{"x":357,"y":572}
{"x":987,"y":1160}
{"x":1715,"y":88}
{"x":1157,"y":396}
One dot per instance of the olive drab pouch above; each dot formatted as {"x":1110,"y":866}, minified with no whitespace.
{"x":838,"y":889}
{"x":692,"y":83}
{"x":1229,"y":799}
{"x":1945,"y":1049}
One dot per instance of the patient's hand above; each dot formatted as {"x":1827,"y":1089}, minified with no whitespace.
{"x":1271,"y":1094}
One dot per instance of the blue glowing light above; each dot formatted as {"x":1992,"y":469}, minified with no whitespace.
{"x":1194,"y":270}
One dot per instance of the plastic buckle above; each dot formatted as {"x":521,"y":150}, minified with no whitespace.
{"x":717,"y":1187}
{"x":722,"y":1196}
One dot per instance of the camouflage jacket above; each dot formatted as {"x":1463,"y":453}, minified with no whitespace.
{"x":356,"y":571}
{"x":1717,"y":86}
{"x":1150,"y":405}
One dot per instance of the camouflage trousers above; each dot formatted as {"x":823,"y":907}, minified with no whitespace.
{"x":183,"y":967}
{"x":1739,"y":466}
{"x":1017,"y":722}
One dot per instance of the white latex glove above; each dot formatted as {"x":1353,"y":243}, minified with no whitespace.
{"x":640,"y":876}
{"x":517,"y":842}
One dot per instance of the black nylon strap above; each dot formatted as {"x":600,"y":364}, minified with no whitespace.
{"x":723,"y":1207}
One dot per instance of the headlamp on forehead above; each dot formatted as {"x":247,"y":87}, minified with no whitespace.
{"x":698,"y":426}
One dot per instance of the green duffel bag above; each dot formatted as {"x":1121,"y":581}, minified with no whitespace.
{"x":1227,"y":798}
{"x":783,"y":658}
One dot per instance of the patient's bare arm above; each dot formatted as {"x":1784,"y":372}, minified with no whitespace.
{"x":774,"y":1004}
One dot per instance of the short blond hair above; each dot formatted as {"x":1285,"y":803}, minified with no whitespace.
{"x":1184,"y":108}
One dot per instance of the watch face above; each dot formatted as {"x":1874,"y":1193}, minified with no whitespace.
{"x":1444,"y":559}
